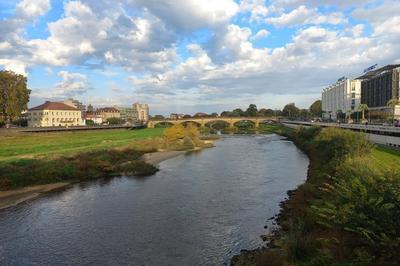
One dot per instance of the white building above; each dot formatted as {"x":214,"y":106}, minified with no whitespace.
{"x":343,"y":96}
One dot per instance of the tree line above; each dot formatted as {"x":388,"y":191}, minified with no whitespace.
{"x":290,"y":111}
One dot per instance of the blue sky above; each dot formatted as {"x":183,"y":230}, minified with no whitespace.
{"x":194,"y":55}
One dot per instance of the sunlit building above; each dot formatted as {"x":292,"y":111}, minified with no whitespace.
{"x":341,"y":97}
{"x":52,"y":114}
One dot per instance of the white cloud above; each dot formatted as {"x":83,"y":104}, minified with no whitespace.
{"x":191,"y":14}
{"x":261,"y":34}
{"x":304,"y":15}
{"x":14,"y":65}
{"x":257,"y":8}
{"x":71,"y":85}
{"x":32,"y":8}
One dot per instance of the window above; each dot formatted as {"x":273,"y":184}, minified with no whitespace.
{"x":353,"y":102}
{"x":353,"y":95}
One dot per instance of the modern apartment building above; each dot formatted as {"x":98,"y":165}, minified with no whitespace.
{"x":379,"y":86}
{"x":52,"y":114}
{"x":137,"y":113}
{"x":342,"y":96}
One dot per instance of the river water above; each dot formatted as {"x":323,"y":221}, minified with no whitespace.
{"x":199,"y":209}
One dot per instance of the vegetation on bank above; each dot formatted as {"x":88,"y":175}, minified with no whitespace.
{"x":42,"y":158}
{"x":14,"y":146}
{"x":347,"y":211}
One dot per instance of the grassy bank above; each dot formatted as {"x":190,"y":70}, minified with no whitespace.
{"x":344,"y":213}
{"x":41,"y":158}
{"x":33,"y":145}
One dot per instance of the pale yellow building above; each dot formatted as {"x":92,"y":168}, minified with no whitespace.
{"x":53,"y":114}
{"x":109,"y":112}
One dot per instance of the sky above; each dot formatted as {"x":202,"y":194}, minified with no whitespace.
{"x":187,"y":56}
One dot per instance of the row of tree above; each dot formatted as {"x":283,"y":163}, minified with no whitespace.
{"x":290,"y":111}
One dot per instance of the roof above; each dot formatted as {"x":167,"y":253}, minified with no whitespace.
{"x":108,"y":109}
{"x":378,"y":71}
{"x":54,"y":106}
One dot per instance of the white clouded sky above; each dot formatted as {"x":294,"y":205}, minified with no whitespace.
{"x":194,"y":55}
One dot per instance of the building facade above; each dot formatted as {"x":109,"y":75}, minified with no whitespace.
{"x":93,"y":116}
{"x":53,"y":114}
{"x":343,"y":96}
{"x":128,"y":114}
{"x":108,"y":112}
{"x":379,"y":86}
{"x":142,"y":110}
{"x":176,"y":116}
{"x":137,"y":113}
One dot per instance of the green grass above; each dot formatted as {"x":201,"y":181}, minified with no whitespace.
{"x":386,"y":158}
{"x":32,"y":145}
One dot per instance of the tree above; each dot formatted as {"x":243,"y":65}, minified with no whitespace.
{"x":238,"y":112}
{"x":14,"y":95}
{"x":174,"y":133}
{"x":392,"y":104}
{"x":363,"y":107}
{"x":115,"y":121}
{"x":316,"y":108}
{"x":187,"y":116}
{"x":227,"y":114}
{"x":251,"y":110}
{"x":262,"y":112}
{"x":200,"y":115}
{"x":291,"y":111}
{"x":214,"y":115}
{"x":159,"y":117}
{"x":192,"y":131}
{"x":304,"y":114}
{"x":89,"y":122}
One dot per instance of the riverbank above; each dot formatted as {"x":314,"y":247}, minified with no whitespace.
{"x":339,"y":215}
{"x":26,"y":174}
{"x":14,"y":197}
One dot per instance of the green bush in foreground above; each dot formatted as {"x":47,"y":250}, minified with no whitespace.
{"x":366,"y":203}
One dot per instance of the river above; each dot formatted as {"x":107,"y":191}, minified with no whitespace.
{"x":199,"y":209}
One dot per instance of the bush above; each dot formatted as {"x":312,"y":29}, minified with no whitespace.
{"x":365,"y":202}
{"x":335,"y":145}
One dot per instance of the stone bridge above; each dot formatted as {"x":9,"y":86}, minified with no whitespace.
{"x":202,"y":121}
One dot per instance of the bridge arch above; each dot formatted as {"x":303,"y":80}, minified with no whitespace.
{"x":207,"y":120}
{"x":186,"y":122}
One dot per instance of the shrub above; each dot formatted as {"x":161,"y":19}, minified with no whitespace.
{"x":365,"y":202}
{"x":335,"y":145}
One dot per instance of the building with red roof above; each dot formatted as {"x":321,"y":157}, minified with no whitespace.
{"x":52,"y":114}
